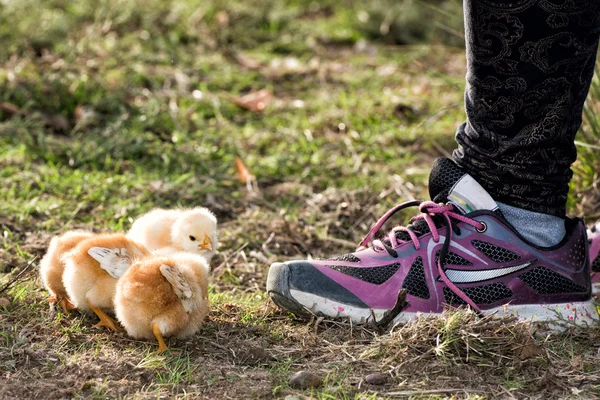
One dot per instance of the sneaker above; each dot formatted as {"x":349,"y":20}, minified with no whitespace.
{"x":461,"y":252}
{"x":594,"y":243}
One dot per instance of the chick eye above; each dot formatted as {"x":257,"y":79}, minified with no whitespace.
{"x":192,"y":238}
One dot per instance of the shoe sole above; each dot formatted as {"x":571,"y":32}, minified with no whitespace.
{"x":582,"y":313}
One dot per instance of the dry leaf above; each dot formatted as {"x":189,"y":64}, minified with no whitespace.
{"x":243,"y":173}
{"x":529,"y":350}
{"x":222,"y":18}
{"x":245,"y":61}
{"x":10,"y":108}
{"x":255,"y":101}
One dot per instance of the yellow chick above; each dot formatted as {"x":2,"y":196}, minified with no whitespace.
{"x":193,"y":230}
{"x":92,"y":270}
{"x":52,"y":266}
{"x":163,"y":296}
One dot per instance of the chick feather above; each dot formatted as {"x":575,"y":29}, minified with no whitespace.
{"x":52,"y":266}
{"x":163,"y":296}
{"x":93,"y":268}
{"x":192,"y":230}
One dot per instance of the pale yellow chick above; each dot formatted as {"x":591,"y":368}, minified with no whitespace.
{"x":52,"y":266}
{"x":193,"y":230}
{"x":163,"y":296}
{"x":92,"y":270}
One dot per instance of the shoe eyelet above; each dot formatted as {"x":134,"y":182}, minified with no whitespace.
{"x":482,"y":229}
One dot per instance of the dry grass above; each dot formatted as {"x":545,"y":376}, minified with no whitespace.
{"x":109,"y":108}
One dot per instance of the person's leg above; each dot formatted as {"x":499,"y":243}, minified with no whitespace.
{"x":530,"y":65}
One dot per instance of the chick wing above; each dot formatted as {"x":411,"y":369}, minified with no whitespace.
{"x":180,"y":285}
{"x":114,"y":261}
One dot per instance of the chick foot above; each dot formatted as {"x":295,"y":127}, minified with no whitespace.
{"x":105,"y":319}
{"x":161,"y":342}
{"x":66,"y":306}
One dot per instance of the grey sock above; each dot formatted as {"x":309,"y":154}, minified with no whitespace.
{"x":541,"y":229}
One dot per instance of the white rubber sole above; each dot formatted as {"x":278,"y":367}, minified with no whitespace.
{"x":582,"y":313}
{"x":596,"y":289}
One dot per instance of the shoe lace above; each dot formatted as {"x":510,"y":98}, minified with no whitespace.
{"x":429,"y":211}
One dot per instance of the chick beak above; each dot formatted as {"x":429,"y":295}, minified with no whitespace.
{"x":207,"y":244}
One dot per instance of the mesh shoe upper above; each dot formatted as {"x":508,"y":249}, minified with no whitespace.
{"x":485,"y":263}
{"x":505,"y":269}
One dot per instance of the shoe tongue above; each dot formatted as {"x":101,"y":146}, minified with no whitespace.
{"x":449,"y":183}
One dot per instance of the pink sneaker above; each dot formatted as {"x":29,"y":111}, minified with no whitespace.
{"x":463,"y":252}
{"x":594,"y":241}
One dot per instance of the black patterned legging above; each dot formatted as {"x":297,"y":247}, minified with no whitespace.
{"x":530,"y":64}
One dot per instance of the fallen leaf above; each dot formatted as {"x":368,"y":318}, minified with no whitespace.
{"x":529,"y":350}
{"x":255,"y":101}
{"x":222,"y":18}
{"x":10,"y":108}
{"x":243,"y":173}
{"x":243,"y":60}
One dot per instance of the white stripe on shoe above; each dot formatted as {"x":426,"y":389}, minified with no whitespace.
{"x":465,"y":276}
{"x":559,"y":315}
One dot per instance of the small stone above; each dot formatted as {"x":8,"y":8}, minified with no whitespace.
{"x":376,"y":379}
{"x":304,"y":380}
{"x":295,"y":397}
{"x":4,"y":302}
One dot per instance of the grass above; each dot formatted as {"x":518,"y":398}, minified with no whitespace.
{"x":110,"y":108}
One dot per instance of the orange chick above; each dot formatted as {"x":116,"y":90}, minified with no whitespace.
{"x":192,"y":230}
{"x":52,"y":266}
{"x":163,"y":296}
{"x":92,"y":270}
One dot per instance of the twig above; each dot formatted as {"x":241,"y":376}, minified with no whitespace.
{"x":389,"y":315}
{"x":227,"y":259}
{"x":589,"y":146}
{"x":443,"y":151}
{"x":343,"y":242}
{"x":13,"y":280}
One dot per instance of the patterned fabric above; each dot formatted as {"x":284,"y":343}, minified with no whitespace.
{"x":375,"y":275}
{"x":546,"y":281}
{"x":495,"y":253}
{"x":415,"y":282}
{"x":485,"y":294}
{"x":530,"y":64}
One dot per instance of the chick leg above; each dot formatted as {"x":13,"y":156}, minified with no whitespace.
{"x":161,"y":342}
{"x":105,"y":320}
{"x":64,"y":304}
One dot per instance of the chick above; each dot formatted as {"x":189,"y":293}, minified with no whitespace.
{"x":163,"y":296}
{"x":52,"y":266}
{"x":193,"y":230}
{"x":92,"y":269}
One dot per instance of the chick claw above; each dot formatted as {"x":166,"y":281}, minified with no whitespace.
{"x":110,"y":324}
{"x":66,"y":306}
{"x":105,"y":320}
{"x":64,"y":303}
